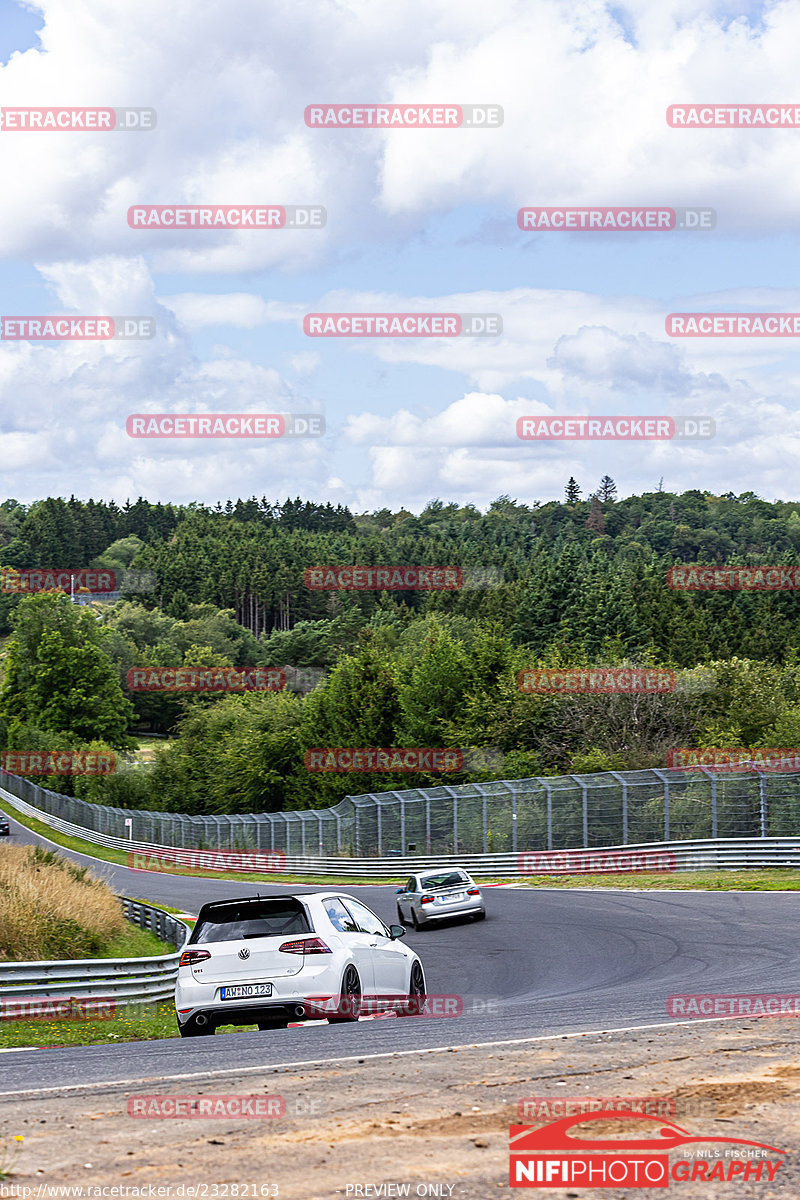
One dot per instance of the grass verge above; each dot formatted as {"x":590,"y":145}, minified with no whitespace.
{"x":141,"y":1023}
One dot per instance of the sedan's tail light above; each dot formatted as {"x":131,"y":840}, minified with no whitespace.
{"x":190,"y":957}
{"x":426,"y":900}
{"x":313,"y":945}
{"x":473,"y":891}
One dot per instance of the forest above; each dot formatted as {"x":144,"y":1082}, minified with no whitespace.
{"x":577,"y":583}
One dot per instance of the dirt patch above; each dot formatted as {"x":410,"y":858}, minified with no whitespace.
{"x":430,"y":1121}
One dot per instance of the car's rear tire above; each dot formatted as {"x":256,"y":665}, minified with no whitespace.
{"x":349,"y":999}
{"x":403,"y":920}
{"x":416,"y":990}
{"x":415,"y":923}
{"x":479,"y":916}
{"x":190,"y":1028}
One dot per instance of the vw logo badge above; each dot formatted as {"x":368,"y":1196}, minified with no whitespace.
{"x":244,"y":952}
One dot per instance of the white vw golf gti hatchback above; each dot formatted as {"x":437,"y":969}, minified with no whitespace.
{"x":272,"y":960}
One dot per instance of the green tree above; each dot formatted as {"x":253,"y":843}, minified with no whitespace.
{"x":58,"y":674}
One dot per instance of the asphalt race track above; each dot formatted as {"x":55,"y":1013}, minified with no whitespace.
{"x":542,"y":963}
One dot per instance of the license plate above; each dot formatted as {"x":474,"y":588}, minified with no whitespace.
{"x":241,"y":991}
{"x":450,"y":899}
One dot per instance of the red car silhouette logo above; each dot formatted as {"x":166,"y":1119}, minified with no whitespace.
{"x":555,"y":1137}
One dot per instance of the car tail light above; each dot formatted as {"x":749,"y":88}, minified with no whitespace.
{"x":190,"y":957}
{"x":426,"y":900}
{"x":313,"y":945}
{"x":473,"y":891}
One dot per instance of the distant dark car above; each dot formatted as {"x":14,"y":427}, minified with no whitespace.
{"x":5,"y":829}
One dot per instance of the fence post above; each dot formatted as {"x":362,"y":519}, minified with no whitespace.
{"x":624,"y":783}
{"x":402,"y":823}
{"x":427,"y":824}
{"x":762,"y":791}
{"x":713,"y":778}
{"x":338,"y":833}
{"x":585,"y":809}
{"x":455,"y":824}
{"x":547,"y":787}
{"x":665,"y":781}
{"x":513,"y":818}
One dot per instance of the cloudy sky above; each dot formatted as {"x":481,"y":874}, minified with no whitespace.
{"x":417,"y":220}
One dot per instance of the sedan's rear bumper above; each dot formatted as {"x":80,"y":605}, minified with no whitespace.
{"x":466,"y":908}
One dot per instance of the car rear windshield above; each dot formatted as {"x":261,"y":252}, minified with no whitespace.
{"x":445,"y":879}
{"x":251,"y":919}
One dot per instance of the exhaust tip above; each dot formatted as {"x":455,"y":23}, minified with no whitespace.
{"x":201,"y":1019}
{"x":300,"y":1010}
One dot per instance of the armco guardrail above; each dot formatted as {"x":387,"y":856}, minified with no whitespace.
{"x":116,"y":981}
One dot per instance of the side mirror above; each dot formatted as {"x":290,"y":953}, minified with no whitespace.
{"x":399,"y":891}
{"x":396,"y":931}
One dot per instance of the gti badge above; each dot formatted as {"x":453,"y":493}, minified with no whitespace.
{"x":244,"y":952}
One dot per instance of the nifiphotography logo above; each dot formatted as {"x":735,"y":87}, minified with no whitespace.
{"x":550,"y":1156}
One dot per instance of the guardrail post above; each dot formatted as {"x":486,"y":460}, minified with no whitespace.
{"x":762,"y":792}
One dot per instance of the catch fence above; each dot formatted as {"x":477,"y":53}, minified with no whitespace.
{"x":609,"y":808}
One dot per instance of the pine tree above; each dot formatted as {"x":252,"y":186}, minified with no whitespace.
{"x":607,"y":492}
{"x":572,"y":491}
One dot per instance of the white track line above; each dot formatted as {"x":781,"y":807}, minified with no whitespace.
{"x":357,"y":1058}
